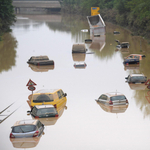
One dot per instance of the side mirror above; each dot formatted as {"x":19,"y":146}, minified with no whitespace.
{"x":28,"y":112}
{"x":126,"y":77}
{"x":65,"y":94}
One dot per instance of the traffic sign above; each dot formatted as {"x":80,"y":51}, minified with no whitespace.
{"x":147,"y":82}
{"x":31,"y":88}
{"x":30,"y":82}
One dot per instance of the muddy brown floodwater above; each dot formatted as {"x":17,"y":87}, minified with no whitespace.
{"x":85,"y":124}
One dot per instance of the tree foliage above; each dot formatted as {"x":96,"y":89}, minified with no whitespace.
{"x":7,"y":16}
{"x":132,"y":13}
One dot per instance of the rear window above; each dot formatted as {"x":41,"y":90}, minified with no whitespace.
{"x":137,"y":79}
{"x":43,"y":98}
{"x":24,"y":129}
{"x":119,"y":97}
{"x":46,"y":111}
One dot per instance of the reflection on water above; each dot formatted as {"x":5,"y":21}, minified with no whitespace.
{"x":113,"y":109}
{"x":41,"y":68}
{"x":25,"y":142}
{"x":7,"y":52}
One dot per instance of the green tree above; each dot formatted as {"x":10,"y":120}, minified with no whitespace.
{"x":7,"y":16}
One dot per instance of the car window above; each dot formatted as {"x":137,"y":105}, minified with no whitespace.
{"x":119,"y":97}
{"x":46,"y":111}
{"x":59,"y":94}
{"x":104,"y":97}
{"x":34,"y":111}
{"x":136,"y":56}
{"x":55,"y":95}
{"x":23,"y":128}
{"x":130,"y":56}
{"x":137,"y":79}
{"x":39,"y":124}
{"x":43,"y":98}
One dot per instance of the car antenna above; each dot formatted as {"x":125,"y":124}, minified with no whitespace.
{"x":116,"y":92}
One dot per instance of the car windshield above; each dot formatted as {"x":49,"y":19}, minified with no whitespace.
{"x":137,"y":79}
{"x":119,"y":97}
{"x":23,"y":129}
{"x":43,"y":98}
{"x":46,"y":111}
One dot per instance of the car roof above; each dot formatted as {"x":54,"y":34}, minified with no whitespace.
{"x":134,"y":75}
{"x":44,"y":106}
{"x":110,"y":94}
{"x":44,"y":91}
{"x":25,"y":122}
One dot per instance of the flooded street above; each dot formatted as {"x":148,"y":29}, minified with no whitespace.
{"x":84,"y":124}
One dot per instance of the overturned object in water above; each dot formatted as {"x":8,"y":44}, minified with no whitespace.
{"x":80,"y":66}
{"x":79,"y":48}
{"x":88,"y":41}
{"x":40,"y":60}
{"x":122,"y":44}
{"x":116,"y":32}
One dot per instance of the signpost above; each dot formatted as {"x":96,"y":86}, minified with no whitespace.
{"x":31,"y":85}
{"x":95,"y":11}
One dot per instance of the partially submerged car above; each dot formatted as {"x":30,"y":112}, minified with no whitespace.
{"x":40,"y":61}
{"x":122,"y":44}
{"x":27,"y":128}
{"x":79,"y":48}
{"x":43,"y":111}
{"x":113,"y":98}
{"x":131,"y":61}
{"x":48,"y":97}
{"x":136,"y":78}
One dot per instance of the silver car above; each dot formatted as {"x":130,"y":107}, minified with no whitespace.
{"x":136,"y":78}
{"x":27,"y":128}
{"x":114,"y":98}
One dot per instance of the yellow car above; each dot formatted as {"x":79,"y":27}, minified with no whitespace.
{"x":54,"y":97}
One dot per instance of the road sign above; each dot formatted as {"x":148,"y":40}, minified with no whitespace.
{"x":31,"y":88}
{"x":30,"y":82}
{"x":95,"y":11}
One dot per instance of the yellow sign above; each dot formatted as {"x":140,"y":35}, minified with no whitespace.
{"x":95,"y":11}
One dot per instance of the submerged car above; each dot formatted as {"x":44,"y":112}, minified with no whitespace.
{"x":113,"y":98}
{"x":43,"y":111}
{"x":40,"y":61}
{"x":48,"y":97}
{"x":122,"y":44}
{"x":136,"y":78}
{"x":27,"y":128}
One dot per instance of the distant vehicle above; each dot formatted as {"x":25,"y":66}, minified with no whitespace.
{"x":136,"y":78}
{"x":112,"y":99}
{"x":43,"y":111}
{"x":122,"y":44}
{"x":79,"y":48}
{"x":113,"y":109}
{"x":116,"y":32}
{"x":48,"y":97}
{"x":27,"y":128}
{"x":135,"y":56}
{"x":129,"y":61}
{"x":40,"y":61}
